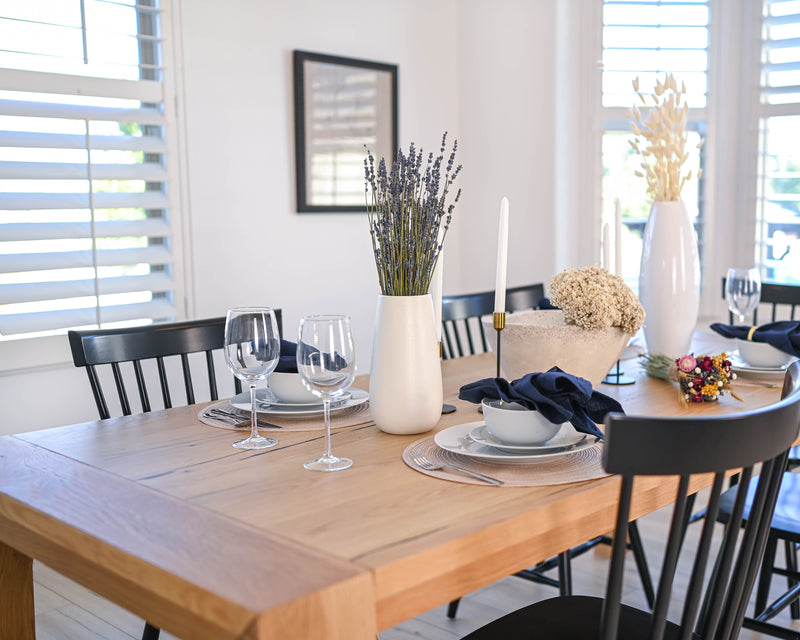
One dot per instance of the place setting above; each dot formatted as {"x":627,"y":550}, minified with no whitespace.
{"x":763,"y":351}
{"x":538,"y":430}
{"x":290,"y":400}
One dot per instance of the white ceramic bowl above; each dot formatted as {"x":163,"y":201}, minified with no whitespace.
{"x":535,"y":341}
{"x":289,"y":388}
{"x":512,"y":423}
{"x":761,"y":354}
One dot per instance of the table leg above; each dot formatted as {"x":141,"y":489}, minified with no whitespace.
{"x":16,"y":595}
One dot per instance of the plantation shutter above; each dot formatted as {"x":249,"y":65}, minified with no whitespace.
{"x":85,"y":228}
{"x":778,"y":194}
{"x":648,"y":39}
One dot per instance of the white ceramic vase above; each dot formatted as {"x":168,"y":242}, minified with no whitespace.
{"x":669,"y":279}
{"x":405,"y":383}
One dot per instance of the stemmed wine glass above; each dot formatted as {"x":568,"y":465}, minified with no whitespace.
{"x":743,"y":290}
{"x":252,"y":350}
{"x":326,"y":364}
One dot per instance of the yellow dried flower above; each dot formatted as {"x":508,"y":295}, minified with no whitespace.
{"x":594,"y":298}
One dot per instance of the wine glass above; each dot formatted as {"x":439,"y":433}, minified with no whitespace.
{"x":252,"y":350}
{"x":326,"y":364}
{"x":743,"y":290}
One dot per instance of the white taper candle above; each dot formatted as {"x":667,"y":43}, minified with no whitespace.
{"x":617,"y":237}
{"x":436,"y":294}
{"x":502,"y":259}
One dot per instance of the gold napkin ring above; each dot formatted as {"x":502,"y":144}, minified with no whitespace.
{"x":750,"y":334}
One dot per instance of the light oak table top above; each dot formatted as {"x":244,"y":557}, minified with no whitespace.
{"x":160,"y":514}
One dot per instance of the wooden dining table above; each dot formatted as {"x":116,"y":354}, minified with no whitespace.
{"x":160,"y":514}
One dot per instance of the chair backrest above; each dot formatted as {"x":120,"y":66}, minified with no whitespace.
{"x":462,"y":331}
{"x":96,"y":347}
{"x":776,"y":295}
{"x":684,"y":446}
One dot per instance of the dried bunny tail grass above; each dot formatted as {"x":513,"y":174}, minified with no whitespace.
{"x":661,"y":140}
{"x":594,"y":298}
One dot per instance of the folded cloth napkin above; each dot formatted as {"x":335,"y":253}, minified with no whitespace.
{"x":557,"y":395}
{"x":288,"y":361}
{"x":783,"y":335}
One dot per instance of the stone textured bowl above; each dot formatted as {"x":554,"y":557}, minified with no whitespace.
{"x":535,"y":341}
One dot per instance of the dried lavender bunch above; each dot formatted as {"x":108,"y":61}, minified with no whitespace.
{"x":409,"y":216}
{"x":661,"y":139}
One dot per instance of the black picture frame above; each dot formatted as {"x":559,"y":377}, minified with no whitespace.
{"x":341,"y":105}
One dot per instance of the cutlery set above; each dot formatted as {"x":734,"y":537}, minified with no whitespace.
{"x":236,"y":419}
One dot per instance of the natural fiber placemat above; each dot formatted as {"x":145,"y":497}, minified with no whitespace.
{"x":350,"y":417}
{"x":585,"y":464}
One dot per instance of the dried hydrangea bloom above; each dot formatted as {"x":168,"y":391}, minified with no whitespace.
{"x":594,"y":298}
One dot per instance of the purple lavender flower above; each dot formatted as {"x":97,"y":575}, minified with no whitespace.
{"x":409,"y":216}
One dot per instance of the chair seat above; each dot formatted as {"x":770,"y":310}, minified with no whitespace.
{"x":568,"y":618}
{"x":786,"y":520}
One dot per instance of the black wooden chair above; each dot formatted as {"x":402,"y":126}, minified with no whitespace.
{"x":777,"y":295}
{"x":95,"y":348}
{"x":462,"y":331}
{"x":638,"y":446}
{"x":463,"y":334}
{"x":785,"y":528}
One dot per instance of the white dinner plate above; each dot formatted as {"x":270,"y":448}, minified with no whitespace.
{"x":457,"y":439}
{"x":741,"y":367}
{"x":356,"y":397}
{"x":564,"y":439}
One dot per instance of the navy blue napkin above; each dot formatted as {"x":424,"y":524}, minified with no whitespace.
{"x":783,"y":335}
{"x":288,"y":360}
{"x":557,"y":395}
{"x":545,"y":304}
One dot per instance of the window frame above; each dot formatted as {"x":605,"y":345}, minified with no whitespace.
{"x":22,"y":354}
{"x":729,"y":173}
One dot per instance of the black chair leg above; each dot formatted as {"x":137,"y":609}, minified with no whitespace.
{"x":564,"y":574}
{"x":765,"y":576}
{"x":641,"y":563}
{"x":564,"y":582}
{"x":791,"y":566}
{"x":452,"y":608}
{"x":150,"y":632}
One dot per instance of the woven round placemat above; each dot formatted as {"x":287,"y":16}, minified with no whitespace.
{"x":351,"y":417}
{"x":585,"y":464}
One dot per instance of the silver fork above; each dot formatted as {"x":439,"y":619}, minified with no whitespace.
{"x":424,"y":463}
{"x":239,"y":418}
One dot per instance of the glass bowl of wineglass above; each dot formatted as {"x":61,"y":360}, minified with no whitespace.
{"x":252,"y":350}
{"x":326,"y":364}
{"x":743,"y":290}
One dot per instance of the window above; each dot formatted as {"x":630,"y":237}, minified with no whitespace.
{"x":86,"y":230}
{"x":647,"y":39}
{"x":778,"y":193}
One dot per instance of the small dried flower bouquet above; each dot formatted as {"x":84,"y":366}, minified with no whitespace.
{"x":661,"y":139}
{"x":701,"y":379}
{"x":409,"y":216}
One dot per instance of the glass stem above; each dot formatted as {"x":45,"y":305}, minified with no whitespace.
{"x":326,"y":404}
{"x":253,"y":413}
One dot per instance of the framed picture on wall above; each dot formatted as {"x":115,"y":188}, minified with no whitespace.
{"x":341,"y":106}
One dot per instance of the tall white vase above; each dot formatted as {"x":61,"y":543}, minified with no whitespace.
{"x":405,"y":380}
{"x":669,"y":279}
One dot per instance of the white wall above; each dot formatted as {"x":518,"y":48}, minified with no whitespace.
{"x":507,"y":112}
{"x":482,"y":70}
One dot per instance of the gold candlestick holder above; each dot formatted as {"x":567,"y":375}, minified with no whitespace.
{"x":499,"y":323}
